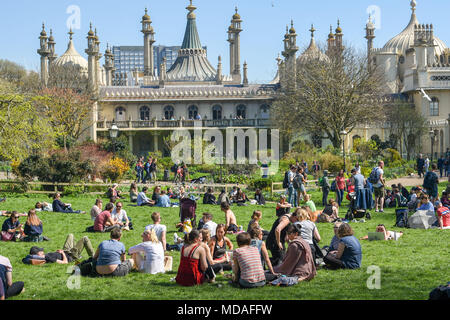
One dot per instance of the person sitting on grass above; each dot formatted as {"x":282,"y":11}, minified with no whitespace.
{"x":334,"y":244}
{"x":156,"y":194}
{"x":257,"y":241}
{"x":283,"y":207}
{"x":163,"y":200}
{"x":148,"y":255}
{"x":209,"y":197}
{"x":206,"y":222}
{"x":96,"y":209}
{"x":314,"y":212}
{"x":43,"y":206}
{"x":142,"y":199}
{"x":170,"y":193}
{"x":443,"y":215}
{"x":104,"y":222}
{"x":256,"y":218}
{"x":71,"y":252}
{"x":230,"y":218}
{"x":59,"y":206}
{"x":109,"y":259}
{"x":159,"y":228}
{"x":223,"y":197}
{"x":349,"y":253}
{"x":425,"y":203}
{"x":259,"y":197}
{"x":12,"y":229}
{"x":8,"y":288}
{"x":113,"y":192}
{"x":331,"y":210}
{"x":133,"y":192}
{"x":247,"y":268}
{"x":298,"y":261}
{"x":119,"y":215}
{"x":241,"y":198}
{"x":33,"y":228}
{"x":193,"y":268}
{"x":445,"y":200}
{"x":218,"y":247}
{"x":308,"y":230}
{"x":388,"y":235}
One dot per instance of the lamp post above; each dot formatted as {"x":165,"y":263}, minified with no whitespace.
{"x":113,"y":132}
{"x":433,"y":137}
{"x":343,"y":133}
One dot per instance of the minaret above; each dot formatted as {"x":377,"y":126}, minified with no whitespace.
{"x":92,"y":52}
{"x":370,"y":35}
{"x":163,"y":74}
{"x":245,"y":80}
{"x":109,"y":66}
{"x":236,"y":23}
{"x":219,"y":78}
{"x":44,"y":52}
{"x":331,"y":41}
{"x":51,"y":47}
{"x":231,"y":41}
{"x":97,"y":60}
{"x":339,"y":36}
{"x":290,"y":51}
{"x":149,"y":40}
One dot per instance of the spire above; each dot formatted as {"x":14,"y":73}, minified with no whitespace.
{"x":191,"y":37}
{"x":70,"y":34}
{"x":245,"y":79}
{"x":413,"y":6}
{"x":312,"y":30}
{"x":338,"y":29}
{"x":43,"y":33}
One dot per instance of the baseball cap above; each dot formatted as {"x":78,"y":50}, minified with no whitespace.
{"x":437,"y":203}
{"x":35,"y":250}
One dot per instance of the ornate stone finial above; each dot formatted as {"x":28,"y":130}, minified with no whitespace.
{"x":220,"y":59}
{"x":413,"y":5}
{"x":70,"y":34}
{"x":191,"y":8}
{"x":312,"y":30}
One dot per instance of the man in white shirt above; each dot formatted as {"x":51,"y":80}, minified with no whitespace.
{"x":159,"y":228}
{"x":120,"y":216}
{"x":209,"y":224}
{"x":142,"y":199}
{"x":152,"y":260}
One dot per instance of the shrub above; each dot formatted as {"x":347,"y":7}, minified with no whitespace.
{"x":263,"y":184}
{"x":115,"y":169}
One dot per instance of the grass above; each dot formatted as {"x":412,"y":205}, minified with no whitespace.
{"x":410,"y":268}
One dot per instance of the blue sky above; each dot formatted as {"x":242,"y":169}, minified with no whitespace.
{"x":264,"y":23}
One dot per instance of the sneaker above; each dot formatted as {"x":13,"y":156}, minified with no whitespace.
{"x":376,"y":210}
{"x":381,"y":211}
{"x":362,"y":220}
{"x":175,"y":238}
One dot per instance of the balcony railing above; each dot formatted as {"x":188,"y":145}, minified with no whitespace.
{"x":221,"y":123}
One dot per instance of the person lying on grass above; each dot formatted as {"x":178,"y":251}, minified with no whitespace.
{"x":299,"y":261}
{"x":9,"y":213}
{"x":109,"y":259}
{"x":230,"y":218}
{"x":349,"y":253}
{"x":43,"y":206}
{"x":71,"y":251}
{"x":388,"y":235}
{"x":247,"y":268}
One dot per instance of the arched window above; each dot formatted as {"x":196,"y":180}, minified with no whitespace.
{"x":168,"y":112}
{"x":144,"y":113}
{"x":120,"y":114}
{"x":434,"y":107}
{"x":217,"y":112}
{"x":241,"y":111}
{"x":264,"y":111}
{"x":192,"y":112}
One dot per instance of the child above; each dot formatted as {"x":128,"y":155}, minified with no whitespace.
{"x":230,"y":218}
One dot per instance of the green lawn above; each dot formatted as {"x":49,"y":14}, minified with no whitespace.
{"x":410,"y":268}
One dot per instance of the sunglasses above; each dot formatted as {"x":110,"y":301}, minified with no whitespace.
{"x":118,"y":207}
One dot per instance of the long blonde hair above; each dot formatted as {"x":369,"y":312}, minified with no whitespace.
{"x":33,"y":218}
{"x":153,"y":236}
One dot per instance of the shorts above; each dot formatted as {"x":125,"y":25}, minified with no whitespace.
{"x":233,"y":228}
{"x":379,"y":192}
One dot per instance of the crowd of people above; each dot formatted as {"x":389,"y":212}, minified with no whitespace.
{"x":207,"y":250}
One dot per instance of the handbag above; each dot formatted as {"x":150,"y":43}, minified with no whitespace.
{"x":6,"y":236}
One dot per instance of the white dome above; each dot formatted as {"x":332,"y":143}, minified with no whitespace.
{"x":71,"y":58}
{"x":405,"y":40}
{"x":312,"y":53}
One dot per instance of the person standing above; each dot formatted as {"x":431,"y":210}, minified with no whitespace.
{"x":325,"y":184}
{"x":147,"y":170}
{"x":378,"y":186}
{"x":316,"y":169}
{"x":290,"y":188}
{"x":441,"y":165}
{"x":340,"y":187}
{"x":153,"y":170}
{"x":420,"y":165}
{"x":430,"y":183}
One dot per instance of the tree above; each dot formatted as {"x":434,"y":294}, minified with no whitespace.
{"x":68,"y":111}
{"x":68,"y":77}
{"x":406,"y":124}
{"x":23,"y":129}
{"x":25,"y":81}
{"x":330,"y":96}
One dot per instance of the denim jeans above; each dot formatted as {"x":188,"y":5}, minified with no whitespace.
{"x":291,"y":196}
{"x":340,"y":196}
{"x":325,"y":196}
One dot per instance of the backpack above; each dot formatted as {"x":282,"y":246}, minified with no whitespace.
{"x":401,"y":218}
{"x":286,"y":180}
{"x":429,"y":180}
{"x":321,"y":182}
{"x":374,"y":175}
{"x":297,"y":182}
{"x":333,"y":187}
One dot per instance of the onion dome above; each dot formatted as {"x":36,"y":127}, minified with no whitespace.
{"x":146,"y":17}
{"x":71,"y":58}
{"x":236,"y":16}
{"x":312,"y":52}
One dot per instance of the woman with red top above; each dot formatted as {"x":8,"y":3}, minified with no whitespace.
{"x":350,"y":187}
{"x":340,"y":187}
{"x":193,"y":263}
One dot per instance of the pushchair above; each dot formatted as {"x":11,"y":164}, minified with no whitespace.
{"x":187,"y":210}
{"x":355,"y":213}
{"x":198,"y":180}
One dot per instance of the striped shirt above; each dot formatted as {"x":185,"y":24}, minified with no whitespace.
{"x":250,"y":265}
